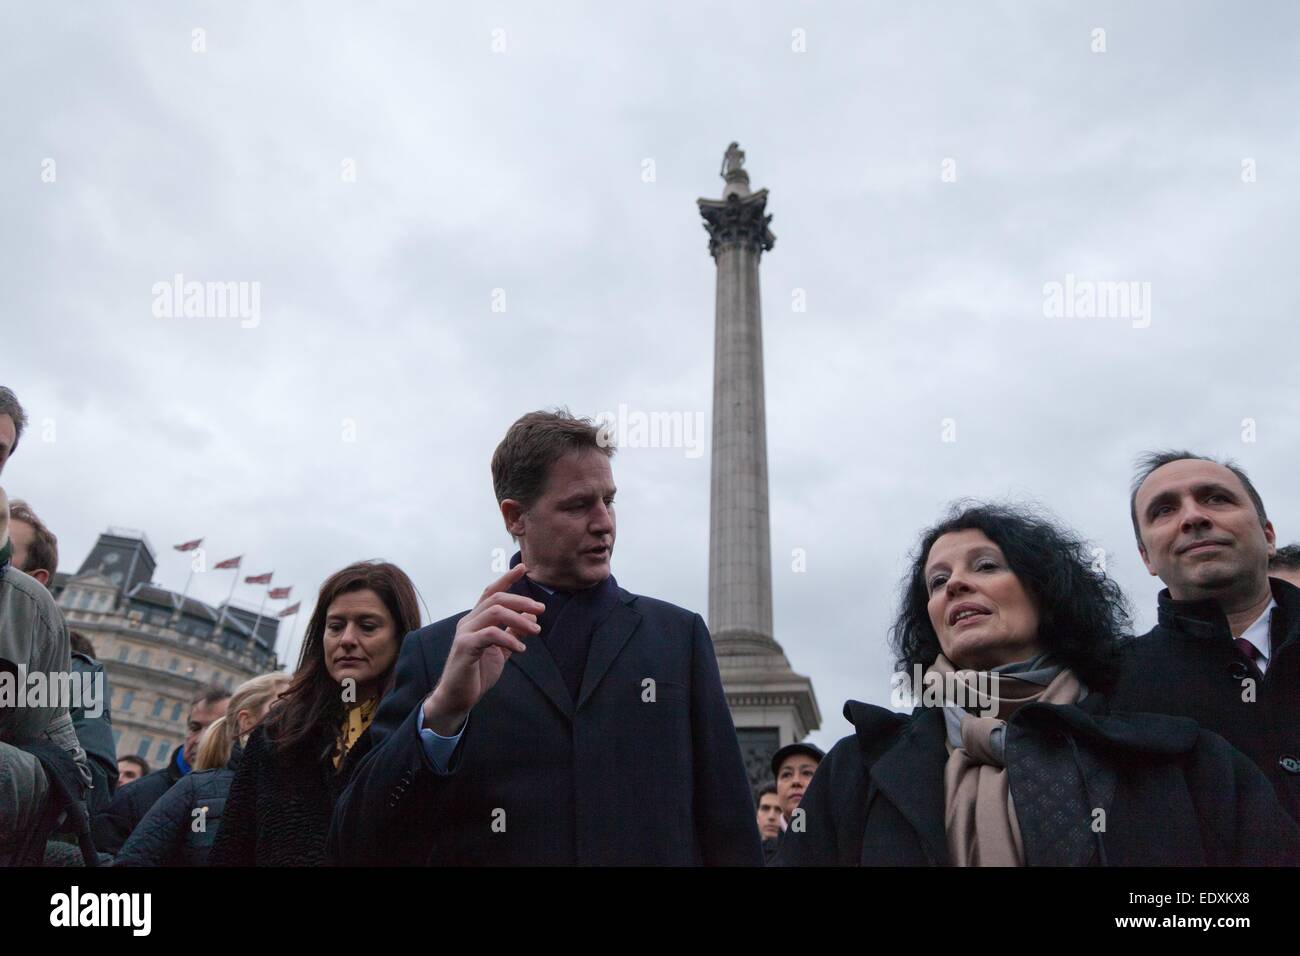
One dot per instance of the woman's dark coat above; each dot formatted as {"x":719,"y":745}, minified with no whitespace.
{"x":278,"y":812}
{"x":1156,"y":791}
{"x":168,"y":836}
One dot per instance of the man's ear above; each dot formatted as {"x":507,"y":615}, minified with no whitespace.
{"x":512,"y":512}
{"x":41,"y":575}
{"x":1271,"y":537}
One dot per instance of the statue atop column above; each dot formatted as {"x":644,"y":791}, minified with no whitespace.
{"x":732,"y":160}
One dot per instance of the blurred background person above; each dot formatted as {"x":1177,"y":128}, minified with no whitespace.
{"x":36,"y":552}
{"x":793,"y":767}
{"x":180,"y":828}
{"x":299,"y":759}
{"x":130,"y":768}
{"x":1286,"y":564}
{"x":1004,"y":611}
{"x":768,"y":806}
{"x":130,"y":804}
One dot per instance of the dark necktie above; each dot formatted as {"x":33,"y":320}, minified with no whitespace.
{"x":1251,"y":653}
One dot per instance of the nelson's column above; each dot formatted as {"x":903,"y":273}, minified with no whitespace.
{"x":770,"y":704}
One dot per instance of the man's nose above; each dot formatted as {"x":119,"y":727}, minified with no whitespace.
{"x":602,"y":522}
{"x":1193,"y":516}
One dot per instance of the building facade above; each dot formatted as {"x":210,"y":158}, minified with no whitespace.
{"x":157,"y":650}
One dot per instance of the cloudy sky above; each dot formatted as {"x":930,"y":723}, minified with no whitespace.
{"x":381,"y":170}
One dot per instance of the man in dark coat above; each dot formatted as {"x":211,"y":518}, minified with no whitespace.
{"x":563,"y":720}
{"x":1226,"y":648}
{"x":1151,"y":790}
{"x":130,"y":804}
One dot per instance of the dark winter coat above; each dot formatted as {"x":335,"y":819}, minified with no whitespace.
{"x":180,"y":828}
{"x":95,"y":734}
{"x":1170,"y":794}
{"x":130,"y":804}
{"x":278,"y":810}
{"x":617,"y":777}
{"x":1187,"y":665}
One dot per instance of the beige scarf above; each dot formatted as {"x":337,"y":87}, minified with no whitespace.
{"x":979,"y":817}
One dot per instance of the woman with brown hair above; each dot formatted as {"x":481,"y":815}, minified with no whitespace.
{"x":300,"y":758}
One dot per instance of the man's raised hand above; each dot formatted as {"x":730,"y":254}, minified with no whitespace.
{"x":485,"y":639}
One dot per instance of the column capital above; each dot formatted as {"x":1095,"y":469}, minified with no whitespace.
{"x":737,"y":220}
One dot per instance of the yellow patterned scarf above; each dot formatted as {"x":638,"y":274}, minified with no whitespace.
{"x":358,"y":719}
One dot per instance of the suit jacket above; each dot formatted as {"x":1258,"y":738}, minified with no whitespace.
{"x":1187,"y":665}
{"x":644,"y":768}
{"x":1170,"y":793}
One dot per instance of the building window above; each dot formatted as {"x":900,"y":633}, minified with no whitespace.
{"x":142,"y":657}
{"x":128,"y":700}
{"x":164,"y":748}
{"x":176,"y":662}
{"x":176,"y":712}
{"x":105,"y":601}
{"x":83,"y":600}
{"x":158,"y":706}
{"x":123,"y":653}
{"x":143,"y":749}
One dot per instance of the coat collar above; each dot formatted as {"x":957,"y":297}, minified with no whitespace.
{"x":1205,"y":618}
{"x":909,"y":773}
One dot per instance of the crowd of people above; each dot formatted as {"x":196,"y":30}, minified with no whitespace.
{"x":566,"y":720}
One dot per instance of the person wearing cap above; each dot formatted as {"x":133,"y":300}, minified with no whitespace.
{"x":793,"y":767}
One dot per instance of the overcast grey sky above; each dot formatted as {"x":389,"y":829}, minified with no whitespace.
{"x":379,"y":169}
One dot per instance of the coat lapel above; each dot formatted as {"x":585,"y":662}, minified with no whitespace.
{"x":910,"y":775}
{"x":540,"y":667}
{"x":538,"y":664}
{"x":609,"y":638}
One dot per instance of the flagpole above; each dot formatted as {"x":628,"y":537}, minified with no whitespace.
{"x":180,"y":609}
{"x":259,"y":610}
{"x":222,"y":620}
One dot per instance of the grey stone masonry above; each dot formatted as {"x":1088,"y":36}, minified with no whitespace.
{"x":762,"y":690}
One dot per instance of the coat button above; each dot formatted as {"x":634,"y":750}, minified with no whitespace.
{"x":1290,"y":764}
{"x":1238,"y":671}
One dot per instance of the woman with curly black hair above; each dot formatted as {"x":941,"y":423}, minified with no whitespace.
{"x":1011,"y":756}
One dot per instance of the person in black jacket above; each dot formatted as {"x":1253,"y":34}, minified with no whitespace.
{"x":1226,"y":647}
{"x":563,"y":720}
{"x":111,"y":828}
{"x":300,"y":757}
{"x":180,"y":828}
{"x":1012,"y":756}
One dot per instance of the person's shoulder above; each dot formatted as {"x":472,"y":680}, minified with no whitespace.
{"x":655,"y":607}
{"x":148,"y":789}
{"x":26,"y":589}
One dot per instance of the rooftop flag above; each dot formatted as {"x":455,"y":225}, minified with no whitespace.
{"x":259,"y":578}
{"x":188,"y":545}
{"x":291,"y":610}
{"x":228,"y":563}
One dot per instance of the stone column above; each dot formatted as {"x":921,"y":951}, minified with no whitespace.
{"x":770,"y":704}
